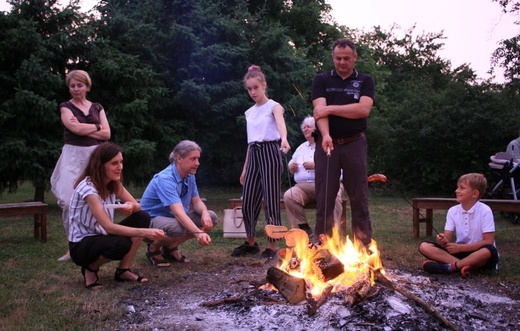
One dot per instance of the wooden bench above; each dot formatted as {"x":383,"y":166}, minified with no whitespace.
{"x":38,"y":209}
{"x":233,"y":203}
{"x":429,"y":204}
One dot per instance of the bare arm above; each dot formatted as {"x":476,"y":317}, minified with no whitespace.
{"x":243,"y":174}
{"x":128,"y":199}
{"x":116,"y":229}
{"x":200,"y":208}
{"x":282,"y":129}
{"x":488,"y":239}
{"x":86,"y":129}
{"x":181,"y":216}
{"x":357,"y":110}
{"x":322,"y":122}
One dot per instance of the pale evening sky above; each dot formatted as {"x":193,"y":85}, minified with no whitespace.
{"x":472,"y":28}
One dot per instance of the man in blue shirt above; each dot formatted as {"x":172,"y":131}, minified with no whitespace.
{"x":168,"y":198}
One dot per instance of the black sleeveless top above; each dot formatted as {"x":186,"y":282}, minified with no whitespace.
{"x":92,"y":118}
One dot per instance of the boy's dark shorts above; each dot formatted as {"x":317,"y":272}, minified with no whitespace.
{"x":491,"y":264}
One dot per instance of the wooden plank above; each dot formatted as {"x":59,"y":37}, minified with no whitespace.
{"x":38,"y":209}
{"x":430,"y":204}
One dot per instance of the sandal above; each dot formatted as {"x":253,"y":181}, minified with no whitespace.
{"x":159,"y":263}
{"x":166,"y":253}
{"x":95,"y":284}
{"x":119,"y":272}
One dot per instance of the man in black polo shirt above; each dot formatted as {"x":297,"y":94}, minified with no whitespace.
{"x":342,"y":100}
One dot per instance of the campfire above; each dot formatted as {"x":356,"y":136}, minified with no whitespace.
{"x":311,"y":273}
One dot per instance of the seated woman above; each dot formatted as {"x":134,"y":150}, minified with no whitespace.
{"x":94,"y":238}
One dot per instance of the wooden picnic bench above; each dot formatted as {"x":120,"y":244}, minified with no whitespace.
{"x":430,"y":204}
{"x":237,"y":202}
{"x":38,"y":209}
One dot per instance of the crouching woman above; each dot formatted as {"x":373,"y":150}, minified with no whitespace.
{"x":94,"y":238}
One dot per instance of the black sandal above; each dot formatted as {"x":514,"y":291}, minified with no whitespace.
{"x":119,"y":272}
{"x":166,"y":253}
{"x":159,"y":263}
{"x":93,"y":285}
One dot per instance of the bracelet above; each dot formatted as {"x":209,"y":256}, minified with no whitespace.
{"x":98,"y":127}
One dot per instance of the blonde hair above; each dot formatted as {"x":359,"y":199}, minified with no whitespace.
{"x":79,"y":75}
{"x":476,"y":181}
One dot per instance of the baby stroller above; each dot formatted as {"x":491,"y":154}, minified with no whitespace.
{"x":506,"y":170}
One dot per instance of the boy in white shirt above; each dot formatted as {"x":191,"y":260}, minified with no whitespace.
{"x":468,"y":241}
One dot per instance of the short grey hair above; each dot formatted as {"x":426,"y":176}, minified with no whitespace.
{"x":309,"y":120}
{"x":183,"y":149}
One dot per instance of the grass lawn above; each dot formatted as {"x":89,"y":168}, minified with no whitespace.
{"x":39,"y":293}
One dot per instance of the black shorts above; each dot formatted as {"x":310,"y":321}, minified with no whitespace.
{"x":112,"y":247}
{"x":491,"y":264}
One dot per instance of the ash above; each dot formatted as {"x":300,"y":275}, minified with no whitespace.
{"x":230,"y":300}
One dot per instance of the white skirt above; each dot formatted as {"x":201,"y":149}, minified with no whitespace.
{"x":69,"y":167}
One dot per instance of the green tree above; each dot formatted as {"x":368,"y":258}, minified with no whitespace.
{"x":37,"y":38}
{"x":430,"y":123}
{"x":507,"y":55}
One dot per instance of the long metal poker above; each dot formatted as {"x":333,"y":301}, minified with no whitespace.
{"x":289,"y":181}
{"x":326,"y":188}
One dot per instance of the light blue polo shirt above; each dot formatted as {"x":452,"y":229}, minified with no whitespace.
{"x":167,"y":188}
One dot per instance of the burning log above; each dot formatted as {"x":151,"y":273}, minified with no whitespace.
{"x":358,"y":291}
{"x":290,"y":287}
{"x":314,"y":303}
{"x":381,"y":279}
{"x":327,"y":266}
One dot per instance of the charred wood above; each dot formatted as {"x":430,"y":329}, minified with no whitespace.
{"x":290,"y":287}
{"x":326,"y":265}
{"x":358,"y":292}
{"x":314,"y":303}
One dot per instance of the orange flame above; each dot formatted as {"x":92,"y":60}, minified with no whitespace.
{"x":299,"y":261}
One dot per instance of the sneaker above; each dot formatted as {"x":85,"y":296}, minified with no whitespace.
{"x":468,"y":271}
{"x":433,"y":267}
{"x":245,"y":249}
{"x":268,"y":254}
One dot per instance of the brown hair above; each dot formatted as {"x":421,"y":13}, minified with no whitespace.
{"x":254,"y":71}
{"x":103,"y":153}
{"x":476,"y":181}
{"x":342,"y":43}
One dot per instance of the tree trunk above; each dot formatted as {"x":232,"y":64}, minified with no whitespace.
{"x":39,"y":194}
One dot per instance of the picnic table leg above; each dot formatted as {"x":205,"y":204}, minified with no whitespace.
{"x":415,"y":220}
{"x":44,"y":225}
{"x":429,"y":222}
{"x":37,"y":225}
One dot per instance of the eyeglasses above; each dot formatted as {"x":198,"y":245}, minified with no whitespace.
{"x":184,"y":189}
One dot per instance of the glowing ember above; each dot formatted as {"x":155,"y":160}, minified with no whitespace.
{"x":303,"y":261}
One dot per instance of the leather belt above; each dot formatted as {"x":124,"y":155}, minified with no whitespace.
{"x":344,"y":141}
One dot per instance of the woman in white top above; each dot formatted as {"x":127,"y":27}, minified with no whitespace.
{"x":94,"y":238}
{"x":263,"y":167}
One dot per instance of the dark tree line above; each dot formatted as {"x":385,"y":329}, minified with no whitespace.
{"x":167,"y":70}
